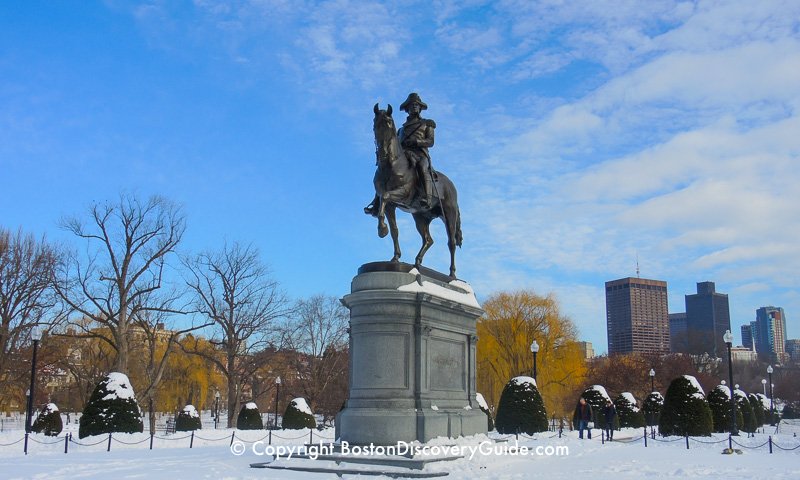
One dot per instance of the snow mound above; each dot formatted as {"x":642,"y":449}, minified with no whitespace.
{"x":701,"y":394}
{"x":251,"y":406}
{"x":119,"y":386}
{"x":631,"y":399}
{"x":764,"y":400}
{"x":466,"y":298}
{"x":191,"y":411}
{"x":301,"y":405}
{"x":522,"y":379}
{"x":50,"y":408}
{"x":481,"y":401}
{"x":740,"y":394}
{"x":724,"y":389}
{"x":602,"y":390}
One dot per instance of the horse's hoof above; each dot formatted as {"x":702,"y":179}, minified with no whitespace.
{"x":383,"y":230}
{"x":395,"y":260}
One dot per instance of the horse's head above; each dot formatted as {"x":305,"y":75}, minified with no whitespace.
{"x":385,"y":135}
{"x":383,"y":123}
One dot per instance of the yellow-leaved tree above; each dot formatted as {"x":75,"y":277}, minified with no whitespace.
{"x":505,"y":333}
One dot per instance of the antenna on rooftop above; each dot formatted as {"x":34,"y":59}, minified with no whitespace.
{"x":637,"y":265}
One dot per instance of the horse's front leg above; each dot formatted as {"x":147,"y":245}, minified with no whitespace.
{"x":390,"y":215}
{"x":423,"y":227}
{"x":383,"y":230}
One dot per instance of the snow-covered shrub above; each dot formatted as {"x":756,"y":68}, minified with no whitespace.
{"x":298,"y":415}
{"x":188,"y":420}
{"x":749,"y":423}
{"x":790,"y":411}
{"x":596,"y":396}
{"x":758,"y":409}
{"x":521,"y":408}
{"x":685,"y":411}
{"x":485,"y":409}
{"x":249,"y":418}
{"x":719,"y":401}
{"x":48,"y":421}
{"x":652,"y":408}
{"x":111,"y":408}
{"x":629,"y":414}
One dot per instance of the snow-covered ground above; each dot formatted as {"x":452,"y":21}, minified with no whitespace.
{"x":172,"y":459}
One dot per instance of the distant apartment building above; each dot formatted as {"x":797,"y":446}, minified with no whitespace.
{"x":707,"y":318}
{"x":586,"y":349}
{"x":793,"y":349}
{"x":743,"y":354}
{"x":637,"y":316}
{"x":678,"y":333}
{"x":770,"y":334}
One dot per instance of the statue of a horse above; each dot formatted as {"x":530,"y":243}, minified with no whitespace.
{"x":396,"y":185}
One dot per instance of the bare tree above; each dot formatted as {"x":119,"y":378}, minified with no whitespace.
{"x":117,"y":281}
{"x":234,"y":291}
{"x":318,"y":332}
{"x":27,"y":299}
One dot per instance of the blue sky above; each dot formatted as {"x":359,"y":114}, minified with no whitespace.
{"x":580,"y":135}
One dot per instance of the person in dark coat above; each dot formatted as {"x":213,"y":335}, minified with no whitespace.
{"x":609,"y":412}
{"x":583,"y":412}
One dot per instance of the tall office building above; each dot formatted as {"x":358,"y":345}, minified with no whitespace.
{"x":793,"y":349}
{"x":678,"y":333}
{"x":707,"y":318}
{"x":747,"y":336}
{"x":637,"y":316}
{"x":770,"y":334}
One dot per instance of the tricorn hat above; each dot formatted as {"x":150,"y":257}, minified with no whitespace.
{"x":413,"y":97}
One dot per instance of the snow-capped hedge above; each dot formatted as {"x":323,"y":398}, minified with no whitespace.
{"x":188,"y":420}
{"x":630,"y":415}
{"x":719,"y":401}
{"x":521,"y":408}
{"x":652,"y":408}
{"x":685,"y":411}
{"x":48,"y":421}
{"x":298,"y":415}
{"x":111,"y":408}
{"x":249,"y":418}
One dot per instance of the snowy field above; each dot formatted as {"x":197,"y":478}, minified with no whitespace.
{"x":172,"y":459}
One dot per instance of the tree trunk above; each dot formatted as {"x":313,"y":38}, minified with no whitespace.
{"x":152,"y":415}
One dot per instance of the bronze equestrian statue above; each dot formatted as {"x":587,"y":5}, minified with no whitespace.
{"x":405,"y":180}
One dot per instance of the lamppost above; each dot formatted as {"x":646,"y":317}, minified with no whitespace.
{"x":771,"y":405}
{"x":728,"y":338}
{"x":216,"y":409}
{"x":36,"y":335}
{"x":534,"y":350}
{"x":652,"y":380}
{"x":277,"y":392}
{"x":764,"y":384}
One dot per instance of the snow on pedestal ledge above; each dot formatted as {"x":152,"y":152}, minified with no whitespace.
{"x":467,"y":298}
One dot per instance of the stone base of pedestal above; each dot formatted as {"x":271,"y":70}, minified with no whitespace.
{"x":412,"y":357}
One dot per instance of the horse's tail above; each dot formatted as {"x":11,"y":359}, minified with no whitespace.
{"x":459,"y":237}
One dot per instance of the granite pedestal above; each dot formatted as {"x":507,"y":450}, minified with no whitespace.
{"x":412,"y":357}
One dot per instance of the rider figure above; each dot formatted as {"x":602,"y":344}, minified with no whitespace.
{"x":416,"y":137}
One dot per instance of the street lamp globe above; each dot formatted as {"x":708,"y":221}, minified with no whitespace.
{"x":728,"y":337}
{"x":36,"y":333}
{"x":769,"y":369}
{"x":652,"y":372}
{"x":535,"y":347}
{"x":216,"y":395}
{"x":278,"y":381}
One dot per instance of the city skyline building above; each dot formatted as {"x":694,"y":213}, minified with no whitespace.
{"x":637,"y":316}
{"x":707,"y":319}
{"x":678,"y":333}
{"x":769,"y":334}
